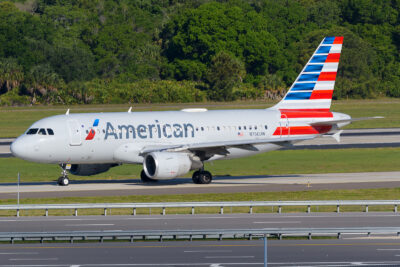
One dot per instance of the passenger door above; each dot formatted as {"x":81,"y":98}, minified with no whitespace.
{"x":75,"y":138}
{"x":284,"y":125}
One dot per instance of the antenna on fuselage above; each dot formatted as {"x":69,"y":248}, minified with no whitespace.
{"x":67,"y":113}
{"x":129,"y":110}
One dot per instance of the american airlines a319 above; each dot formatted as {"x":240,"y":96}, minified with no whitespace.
{"x":172,"y":143}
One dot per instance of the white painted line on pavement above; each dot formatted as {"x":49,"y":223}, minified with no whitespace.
{"x":279,"y":222}
{"x":92,"y":224}
{"x":31,"y":259}
{"x":228,"y":257}
{"x":206,"y":251}
{"x":18,"y":253}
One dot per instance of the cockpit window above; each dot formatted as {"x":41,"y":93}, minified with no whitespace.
{"x":32,"y":131}
{"x":42,"y":132}
{"x":50,"y":131}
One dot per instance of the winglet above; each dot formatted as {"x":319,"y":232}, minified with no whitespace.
{"x":67,"y":113}
{"x":129,"y":110}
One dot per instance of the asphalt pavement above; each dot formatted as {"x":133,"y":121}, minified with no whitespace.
{"x":199,"y":221}
{"x":220,"y":184}
{"x":363,"y":252}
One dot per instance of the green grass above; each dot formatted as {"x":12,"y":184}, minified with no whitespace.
{"x":388,"y":108}
{"x":271,"y":163}
{"x":15,"y":120}
{"x":355,"y":194}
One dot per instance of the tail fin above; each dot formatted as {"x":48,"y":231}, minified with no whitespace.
{"x":313,"y":88}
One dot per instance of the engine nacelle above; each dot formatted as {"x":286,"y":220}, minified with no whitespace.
{"x":166,"y":165}
{"x":89,"y":169}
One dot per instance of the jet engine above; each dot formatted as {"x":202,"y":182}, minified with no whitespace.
{"x":89,"y":169}
{"x":166,"y":165}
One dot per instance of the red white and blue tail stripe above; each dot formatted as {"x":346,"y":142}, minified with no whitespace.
{"x":313,"y":88}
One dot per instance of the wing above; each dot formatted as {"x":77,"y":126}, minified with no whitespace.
{"x":220,"y":147}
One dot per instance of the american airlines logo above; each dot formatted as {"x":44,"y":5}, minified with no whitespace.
{"x":92,"y":132}
{"x":149,"y":131}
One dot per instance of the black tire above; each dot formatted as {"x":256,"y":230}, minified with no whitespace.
{"x":63,"y":181}
{"x":145,"y":178}
{"x":196,"y":177}
{"x":205,"y":177}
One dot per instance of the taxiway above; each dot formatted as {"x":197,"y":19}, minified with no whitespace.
{"x":220,"y":184}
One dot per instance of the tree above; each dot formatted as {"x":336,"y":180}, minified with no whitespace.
{"x":225,"y":72}
{"x":198,"y":34}
{"x":43,"y":82}
{"x":11,"y":74}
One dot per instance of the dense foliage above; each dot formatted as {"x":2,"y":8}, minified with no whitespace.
{"x":105,"y":51}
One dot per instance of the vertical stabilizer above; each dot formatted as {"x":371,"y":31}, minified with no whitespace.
{"x":313,"y":88}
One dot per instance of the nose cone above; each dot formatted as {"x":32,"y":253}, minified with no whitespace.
{"x":17,"y":148}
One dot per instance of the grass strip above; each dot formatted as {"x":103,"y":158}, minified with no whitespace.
{"x":355,"y":194}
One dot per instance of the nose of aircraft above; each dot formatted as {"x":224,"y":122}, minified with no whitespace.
{"x":17,"y":148}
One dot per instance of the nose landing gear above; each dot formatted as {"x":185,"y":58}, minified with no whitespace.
{"x":63,"y":180}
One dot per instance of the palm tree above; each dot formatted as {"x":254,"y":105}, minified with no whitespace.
{"x":11,"y":74}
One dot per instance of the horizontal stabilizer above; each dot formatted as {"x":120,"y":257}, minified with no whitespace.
{"x":344,"y":121}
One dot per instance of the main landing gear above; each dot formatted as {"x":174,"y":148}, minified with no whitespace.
{"x":145,"y":179}
{"x":63,"y":180}
{"x":202,"y":177}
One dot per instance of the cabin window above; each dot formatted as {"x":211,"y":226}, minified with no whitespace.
{"x":255,"y":127}
{"x":244,"y":127}
{"x":50,"y":131}
{"x":42,"y":132}
{"x":266,"y":127}
{"x":202,"y":128}
{"x":32,"y":131}
{"x":218,"y":128}
{"x":240,"y":128}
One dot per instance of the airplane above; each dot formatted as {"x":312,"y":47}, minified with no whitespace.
{"x":172,"y":143}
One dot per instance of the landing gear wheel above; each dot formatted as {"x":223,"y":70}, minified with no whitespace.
{"x":63,"y":181}
{"x":196,"y":177}
{"x":205,"y":177}
{"x":145,"y":179}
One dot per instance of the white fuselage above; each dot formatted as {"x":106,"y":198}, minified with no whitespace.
{"x":120,"y":137}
